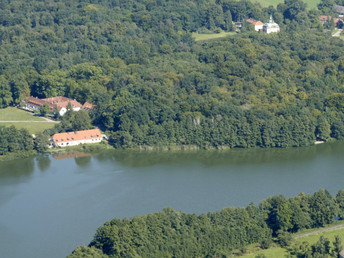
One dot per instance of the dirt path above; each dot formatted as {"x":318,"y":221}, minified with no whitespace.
{"x":314,"y":232}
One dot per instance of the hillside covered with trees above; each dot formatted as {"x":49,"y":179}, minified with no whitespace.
{"x":172,"y":233}
{"x":155,"y":86}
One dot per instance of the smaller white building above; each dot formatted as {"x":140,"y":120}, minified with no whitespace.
{"x":271,"y":26}
{"x":258,"y":25}
{"x":76,"y":138}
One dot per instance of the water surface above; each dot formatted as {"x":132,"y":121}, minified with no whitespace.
{"x":49,"y":205}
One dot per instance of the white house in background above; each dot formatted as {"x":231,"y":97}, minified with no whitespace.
{"x":271,"y":26}
{"x":61,"y":103}
{"x":76,"y":138}
{"x":258,"y":25}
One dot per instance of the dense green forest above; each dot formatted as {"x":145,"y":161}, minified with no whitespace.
{"x":154,"y":86}
{"x":171,"y":233}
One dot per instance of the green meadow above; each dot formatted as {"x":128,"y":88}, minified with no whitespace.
{"x":208,"y":36}
{"x":15,"y":114}
{"x":265,"y":3}
{"x":276,"y":251}
{"x":23,"y":119}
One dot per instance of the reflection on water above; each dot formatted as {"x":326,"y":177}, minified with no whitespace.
{"x":229,"y":157}
{"x":16,"y":168}
{"x":70,"y":155}
{"x":83,"y":161}
{"x":77,"y":192}
{"x":43,"y":162}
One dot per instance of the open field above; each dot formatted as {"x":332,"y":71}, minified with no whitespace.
{"x":31,"y":127}
{"x":311,"y":236}
{"x":265,"y":3}
{"x":22,"y":119}
{"x":206,"y":36}
{"x":12,"y":113}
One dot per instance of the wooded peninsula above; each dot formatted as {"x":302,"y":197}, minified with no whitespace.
{"x":224,"y":233}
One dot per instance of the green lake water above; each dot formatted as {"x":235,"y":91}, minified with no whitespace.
{"x":49,"y":205}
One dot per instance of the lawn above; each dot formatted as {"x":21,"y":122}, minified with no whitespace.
{"x":31,"y":127}
{"x":265,"y":3}
{"x":276,"y":251}
{"x":15,"y":114}
{"x":208,"y":36}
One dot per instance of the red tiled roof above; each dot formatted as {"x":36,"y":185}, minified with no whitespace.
{"x":60,"y":102}
{"x":254,"y":22}
{"x":325,"y":18}
{"x":77,"y":136}
{"x":88,"y":106}
{"x":34,"y":101}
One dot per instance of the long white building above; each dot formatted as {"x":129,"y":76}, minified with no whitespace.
{"x":76,"y":138}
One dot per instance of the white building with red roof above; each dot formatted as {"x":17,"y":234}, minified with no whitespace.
{"x":76,"y":138}
{"x":61,"y":103}
{"x":258,"y":25}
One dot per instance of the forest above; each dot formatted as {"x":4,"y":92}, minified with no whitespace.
{"x":223,"y":233}
{"x":155,"y":86}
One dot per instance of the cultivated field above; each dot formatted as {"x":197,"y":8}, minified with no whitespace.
{"x":23,"y":119}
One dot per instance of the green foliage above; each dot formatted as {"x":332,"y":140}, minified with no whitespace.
{"x":154,"y":85}
{"x":87,"y":252}
{"x":14,"y":140}
{"x":44,"y":110}
{"x":41,"y":142}
{"x":171,"y":233}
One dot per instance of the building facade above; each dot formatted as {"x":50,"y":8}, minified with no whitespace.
{"x":271,"y":26}
{"x":60,"y":103}
{"x":258,"y":25}
{"x":76,"y":138}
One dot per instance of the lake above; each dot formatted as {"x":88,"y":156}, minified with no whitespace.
{"x":51,"y":204}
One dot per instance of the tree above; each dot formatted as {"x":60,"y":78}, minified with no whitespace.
{"x":5,"y":93}
{"x":41,"y":142}
{"x":323,"y":209}
{"x":81,"y":121}
{"x":337,"y":246}
{"x":323,"y":130}
{"x":321,"y":248}
{"x":44,"y":109}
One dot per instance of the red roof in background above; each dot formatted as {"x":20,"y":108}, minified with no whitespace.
{"x":254,"y":22}
{"x":88,"y":106}
{"x":60,"y":102}
{"x":77,"y":136}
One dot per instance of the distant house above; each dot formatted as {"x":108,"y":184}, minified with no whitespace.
{"x":76,"y":138}
{"x":88,"y":106}
{"x":258,"y":25}
{"x":271,"y":26}
{"x":61,"y":103}
{"x":336,"y":21}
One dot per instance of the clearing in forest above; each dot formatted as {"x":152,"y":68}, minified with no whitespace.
{"x":23,"y":119}
{"x":208,"y":36}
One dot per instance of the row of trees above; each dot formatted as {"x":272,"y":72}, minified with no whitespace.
{"x":172,"y":233}
{"x":13,"y":140}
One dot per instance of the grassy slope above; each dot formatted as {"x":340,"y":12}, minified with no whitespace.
{"x":14,"y":114}
{"x":276,"y":251}
{"x":265,"y":3}
{"x":200,"y":37}
{"x":31,"y":127}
